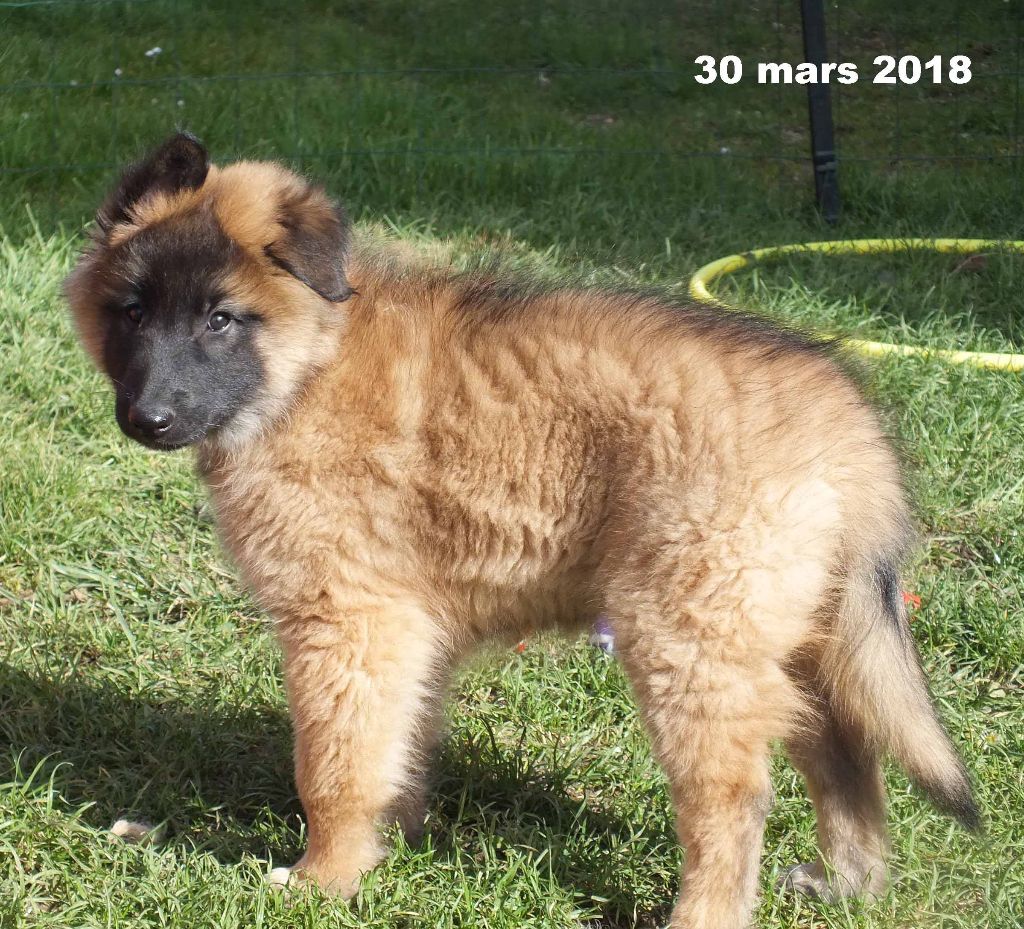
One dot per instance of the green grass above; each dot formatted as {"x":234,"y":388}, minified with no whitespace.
{"x":136,"y":677}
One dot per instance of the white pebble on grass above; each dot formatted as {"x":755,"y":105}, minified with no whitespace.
{"x":137,"y":833}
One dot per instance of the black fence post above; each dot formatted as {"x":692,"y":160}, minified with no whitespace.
{"x":819,"y":103}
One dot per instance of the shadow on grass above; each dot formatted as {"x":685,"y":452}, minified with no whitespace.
{"x":221,"y":779}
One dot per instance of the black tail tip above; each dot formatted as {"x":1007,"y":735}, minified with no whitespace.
{"x":957,"y":799}
{"x":968,"y":815}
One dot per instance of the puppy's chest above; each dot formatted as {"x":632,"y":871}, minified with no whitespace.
{"x":452,"y":512}
{"x":298,"y":527}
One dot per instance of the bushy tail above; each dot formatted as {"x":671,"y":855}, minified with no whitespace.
{"x":874,"y":674}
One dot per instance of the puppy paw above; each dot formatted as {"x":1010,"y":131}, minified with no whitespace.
{"x":807,"y":880}
{"x":280,"y":880}
{"x":335,"y":881}
{"x":811,"y":880}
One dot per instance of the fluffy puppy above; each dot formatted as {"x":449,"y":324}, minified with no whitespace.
{"x":407,"y":461}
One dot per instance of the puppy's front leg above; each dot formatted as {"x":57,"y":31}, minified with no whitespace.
{"x":359,"y":689}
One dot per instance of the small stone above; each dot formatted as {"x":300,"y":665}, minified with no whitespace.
{"x":137,"y":833}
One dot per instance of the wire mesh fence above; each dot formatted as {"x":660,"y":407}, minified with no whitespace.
{"x":406,"y":104}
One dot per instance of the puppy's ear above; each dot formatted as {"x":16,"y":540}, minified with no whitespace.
{"x":181,"y":163}
{"x":314,"y":242}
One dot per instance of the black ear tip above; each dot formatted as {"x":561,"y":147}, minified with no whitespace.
{"x":182,"y":160}
{"x":188,"y":139}
{"x":184,"y":147}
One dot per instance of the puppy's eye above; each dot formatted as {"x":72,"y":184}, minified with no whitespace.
{"x":134,"y":312}
{"x":218,"y":322}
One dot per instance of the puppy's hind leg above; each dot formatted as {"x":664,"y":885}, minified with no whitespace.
{"x":712,"y":710}
{"x":849,"y":799}
{"x":844,"y":780}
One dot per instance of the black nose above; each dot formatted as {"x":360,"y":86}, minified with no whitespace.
{"x":150,"y":421}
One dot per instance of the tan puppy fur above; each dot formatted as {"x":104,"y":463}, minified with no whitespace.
{"x":442,"y":459}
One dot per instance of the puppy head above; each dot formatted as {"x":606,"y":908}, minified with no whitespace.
{"x":209,"y":296}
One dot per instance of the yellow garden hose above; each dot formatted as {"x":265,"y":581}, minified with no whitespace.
{"x":999,"y":360}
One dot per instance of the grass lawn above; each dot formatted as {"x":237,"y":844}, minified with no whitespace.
{"x":135,"y":675}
